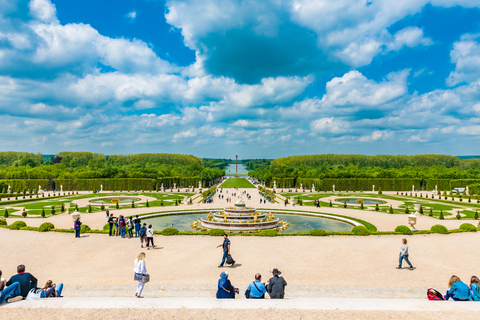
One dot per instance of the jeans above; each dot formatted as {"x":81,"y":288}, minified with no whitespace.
{"x":122,"y":232}
{"x":77,"y":233}
{"x":11,"y":291}
{"x":130,"y":233}
{"x":110,"y":231}
{"x":224,"y":258}
{"x":137,"y":230}
{"x":400,"y":258}
{"x":448,"y":296}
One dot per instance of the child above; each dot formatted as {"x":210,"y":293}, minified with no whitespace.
{"x":458,"y":291}
{"x":475,"y":287}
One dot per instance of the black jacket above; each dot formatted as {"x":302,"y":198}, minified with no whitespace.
{"x":26,"y":281}
{"x":276,"y":287}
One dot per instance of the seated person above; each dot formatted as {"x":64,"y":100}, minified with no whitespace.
{"x":225,"y":288}
{"x":51,"y":291}
{"x":257,"y":288}
{"x":458,"y":291}
{"x":10,"y":293}
{"x":475,"y":287}
{"x":26,"y":280}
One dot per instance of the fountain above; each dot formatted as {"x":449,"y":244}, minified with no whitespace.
{"x":240,"y":219}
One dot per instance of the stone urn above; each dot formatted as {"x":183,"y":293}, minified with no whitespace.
{"x":75,"y":215}
{"x":412,"y":221}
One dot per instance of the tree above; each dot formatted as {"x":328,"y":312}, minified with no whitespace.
{"x":62,"y":208}
{"x":147,"y":204}
{"x":421,"y":209}
{"x":361,"y":206}
{"x":53,"y":211}
{"x":90,"y":208}
{"x":476,"y":215}
{"x":431,"y":212}
{"x":407,"y":211}
{"x":43,"y":213}
{"x":441,"y":215}
{"x":458,"y":216}
{"x":24,"y":213}
{"x":5,"y":214}
{"x":331,"y":205}
{"x":376,"y":207}
{"x":161,"y":202}
{"x":117,"y":206}
{"x":133,"y":204}
{"x":390,"y":210}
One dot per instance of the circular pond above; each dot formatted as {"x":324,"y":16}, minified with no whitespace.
{"x":298,"y":223}
{"x":109,"y":200}
{"x":359,"y":201}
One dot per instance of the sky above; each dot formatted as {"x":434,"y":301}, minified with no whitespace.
{"x":261,"y":79}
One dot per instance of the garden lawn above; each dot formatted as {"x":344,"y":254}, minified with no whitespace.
{"x":237,"y":183}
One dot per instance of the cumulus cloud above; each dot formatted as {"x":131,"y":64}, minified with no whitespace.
{"x":131,"y":16}
{"x":466,"y":56}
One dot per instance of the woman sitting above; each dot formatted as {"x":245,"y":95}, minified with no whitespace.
{"x":458,"y":291}
{"x":51,"y":291}
{"x":475,"y":287}
{"x":225,"y":288}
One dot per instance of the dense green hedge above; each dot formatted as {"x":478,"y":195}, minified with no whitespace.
{"x":468,"y":227}
{"x":318,"y":232}
{"x":403,"y":230}
{"x":438,"y":228}
{"x":360,"y":231}
{"x":17,"y":225}
{"x":46,"y":226}
{"x":216,"y":232}
{"x":170,"y":232}
{"x":267,"y":233}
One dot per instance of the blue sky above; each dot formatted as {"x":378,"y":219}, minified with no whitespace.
{"x":261,"y":79}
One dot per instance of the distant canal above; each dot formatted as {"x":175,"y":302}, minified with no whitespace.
{"x":241,"y":169}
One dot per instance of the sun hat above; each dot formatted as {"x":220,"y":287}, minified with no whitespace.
{"x":224,"y":275}
{"x":276,"y":272}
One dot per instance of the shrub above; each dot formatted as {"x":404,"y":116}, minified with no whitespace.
{"x":106,"y":227}
{"x":170,"y":232}
{"x":102,"y":207}
{"x":468,"y":227}
{"x":117,"y":205}
{"x":318,"y":232}
{"x":421,"y":210}
{"x":148,"y":204}
{"x":379,"y":190}
{"x":361,"y":206}
{"x":53,"y":210}
{"x":441,"y":215}
{"x":376,"y":207}
{"x":17,"y":225}
{"x":458,"y":216}
{"x":5,"y":214}
{"x":406,"y":209}
{"x":3,"y":222}
{"x":46,"y":226}
{"x":62,"y":208}
{"x":24,"y":214}
{"x":43,"y":213}
{"x":360,"y":231}
{"x":161,"y":203}
{"x":476,"y":215}
{"x":345,"y":204}
{"x":331,"y":205}
{"x":390,"y":210}
{"x":403,"y":230}
{"x":133,"y":204}
{"x":438,"y":228}
{"x":267,"y":233}
{"x":84,"y":228}
{"x":431,"y":212}
{"x":216,"y":232}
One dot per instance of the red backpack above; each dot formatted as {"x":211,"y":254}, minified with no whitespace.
{"x":433,"y":294}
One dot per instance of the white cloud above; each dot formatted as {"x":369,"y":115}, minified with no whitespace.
{"x":466,"y":56}
{"x":43,"y":10}
{"x":375,"y":136}
{"x":132,"y":15}
{"x":329,"y":125}
{"x":185,"y":134}
{"x":410,"y":37}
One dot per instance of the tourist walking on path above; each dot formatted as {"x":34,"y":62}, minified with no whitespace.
{"x":108,"y":213}
{"x":137,"y":226}
{"x":276,"y":285}
{"x":226,"y":249}
{"x":150,"y":236}
{"x":76,"y":226}
{"x":404,"y":255}
{"x":140,"y":271}
{"x":257,"y":288}
{"x":225,"y":289}
{"x":458,"y":290}
{"x":143,"y":235}
{"x":111,"y":224}
{"x":26,"y":280}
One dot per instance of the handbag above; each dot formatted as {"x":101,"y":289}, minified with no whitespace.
{"x":247,"y":293}
{"x":137,"y":277}
{"x":145,"y":278}
{"x":34,"y":295}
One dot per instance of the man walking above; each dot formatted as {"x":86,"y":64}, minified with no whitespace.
{"x":226,"y":249}
{"x":137,"y":226}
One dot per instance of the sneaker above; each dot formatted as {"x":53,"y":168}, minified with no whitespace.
{"x":220,"y":266}
{"x":399,"y":267}
{"x":14,"y":299}
{"x":411,"y":268}
{"x":139,"y":297}
{"x":233,"y":263}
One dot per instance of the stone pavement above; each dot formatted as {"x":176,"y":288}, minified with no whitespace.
{"x":211,"y":303}
{"x":196,"y":291}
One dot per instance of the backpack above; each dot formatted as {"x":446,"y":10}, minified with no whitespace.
{"x":433,"y":294}
{"x":143,"y":231}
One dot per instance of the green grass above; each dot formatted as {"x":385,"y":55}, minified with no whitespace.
{"x":237,"y":183}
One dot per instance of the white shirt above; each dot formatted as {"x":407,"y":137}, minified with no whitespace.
{"x":404,"y":250}
{"x":140,"y":267}
{"x":149,"y":233}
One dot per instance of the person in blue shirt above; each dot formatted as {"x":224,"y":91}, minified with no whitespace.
{"x":225,"y":288}
{"x":25,"y":279}
{"x":475,"y":287}
{"x":257,"y":288}
{"x":458,"y":291}
{"x":226,"y":249}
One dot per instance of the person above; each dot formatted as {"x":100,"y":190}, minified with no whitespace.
{"x":111,"y":224}
{"x":51,"y":291}
{"x":150,"y":236}
{"x":257,"y":288}
{"x":225,"y":289}
{"x":117,"y":228}
{"x":25,"y":279}
{"x":143,"y":235}
{"x":11,"y":293}
{"x":130,"y":227}
{"x":404,"y":255}
{"x":108,"y":213}
{"x":121,"y":225}
{"x":475,"y":288}
{"x":137,"y":226}
{"x":276,"y":285}
{"x":286,"y":202}
{"x":140,"y":270}
{"x":458,"y":291}
{"x":76,"y":226}
{"x":226,"y":249}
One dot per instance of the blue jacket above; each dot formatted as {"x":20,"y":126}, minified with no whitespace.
{"x":460,"y":290}
{"x":221,"y":293}
{"x":26,"y":281}
{"x":475,"y":291}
